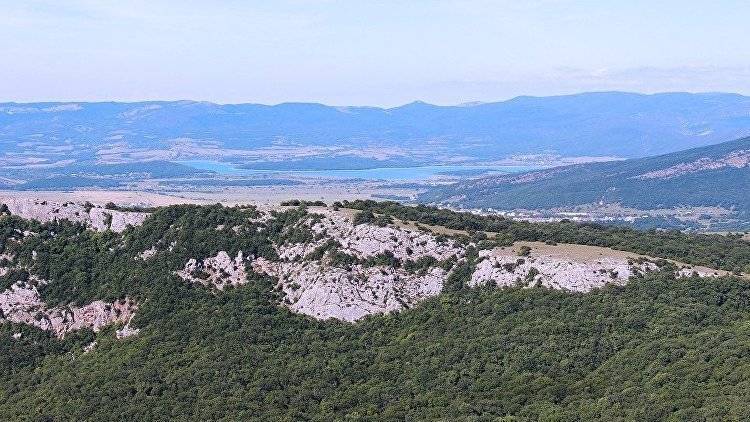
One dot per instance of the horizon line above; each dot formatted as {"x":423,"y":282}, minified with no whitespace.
{"x":414,"y":102}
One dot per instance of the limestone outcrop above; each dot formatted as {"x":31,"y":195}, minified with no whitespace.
{"x":323,"y":291}
{"x":21,"y":304}
{"x":574,"y":268}
{"x":96,"y":217}
{"x":217,"y":271}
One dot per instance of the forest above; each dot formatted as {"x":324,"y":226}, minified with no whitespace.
{"x":658,"y":348}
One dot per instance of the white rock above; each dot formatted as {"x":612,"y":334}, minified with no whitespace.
{"x":22,"y":304}
{"x":127,"y":331}
{"x":148,"y":253}
{"x":557,"y":267}
{"x":365,"y":240}
{"x":95,"y":218}
{"x":219,"y":271}
{"x":505,"y":270}
{"x":323,"y":292}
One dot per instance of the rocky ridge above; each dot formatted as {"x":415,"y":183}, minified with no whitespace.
{"x":557,"y":267}
{"x":341,"y":270}
{"x":735,"y":159}
{"x":339,"y":274}
{"x":21,"y":304}
{"x":324,"y":291}
{"x":96,"y":217}
{"x":349,"y":291}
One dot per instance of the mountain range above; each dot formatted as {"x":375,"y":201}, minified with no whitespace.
{"x":589,"y":124}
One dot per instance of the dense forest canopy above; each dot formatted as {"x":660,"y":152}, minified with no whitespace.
{"x":658,"y":348}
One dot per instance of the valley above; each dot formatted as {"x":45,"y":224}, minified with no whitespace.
{"x":486,"y":163}
{"x":117,"y":145}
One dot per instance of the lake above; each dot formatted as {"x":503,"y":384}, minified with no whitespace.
{"x":382,"y":173}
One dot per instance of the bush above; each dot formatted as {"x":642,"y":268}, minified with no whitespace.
{"x":524,"y":251}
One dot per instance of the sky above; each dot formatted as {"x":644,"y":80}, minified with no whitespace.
{"x":379,"y":53}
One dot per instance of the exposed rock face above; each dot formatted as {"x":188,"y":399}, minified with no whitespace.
{"x":558,"y":267}
{"x":315,"y":288}
{"x":736,"y":159}
{"x":339,"y":273}
{"x":22,"y":304}
{"x":218,"y":271}
{"x":504,"y":270}
{"x":323,"y":291}
{"x":365,"y":240}
{"x":148,"y":253}
{"x":350,"y":292}
{"x":97,"y":218}
{"x":89,"y":347}
{"x":127,"y":331}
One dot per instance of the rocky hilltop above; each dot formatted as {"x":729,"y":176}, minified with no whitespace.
{"x":97,"y":217}
{"x":361,"y":310}
{"x":324,"y":262}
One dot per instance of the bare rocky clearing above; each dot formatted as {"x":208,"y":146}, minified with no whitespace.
{"x":577,"y":268}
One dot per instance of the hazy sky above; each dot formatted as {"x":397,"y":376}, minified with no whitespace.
{"x":367,"y":52}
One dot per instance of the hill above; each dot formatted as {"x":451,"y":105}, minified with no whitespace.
{"x":716,"y":175}
{"x":600,"y":124}
{"x":210,"y":313}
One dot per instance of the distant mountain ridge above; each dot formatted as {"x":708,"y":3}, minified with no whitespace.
{"x":601,"y":123}
{"x":716,"y":175}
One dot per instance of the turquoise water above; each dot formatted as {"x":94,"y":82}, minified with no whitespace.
{"x":218,"y":167}
{"x":384,"y":173}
